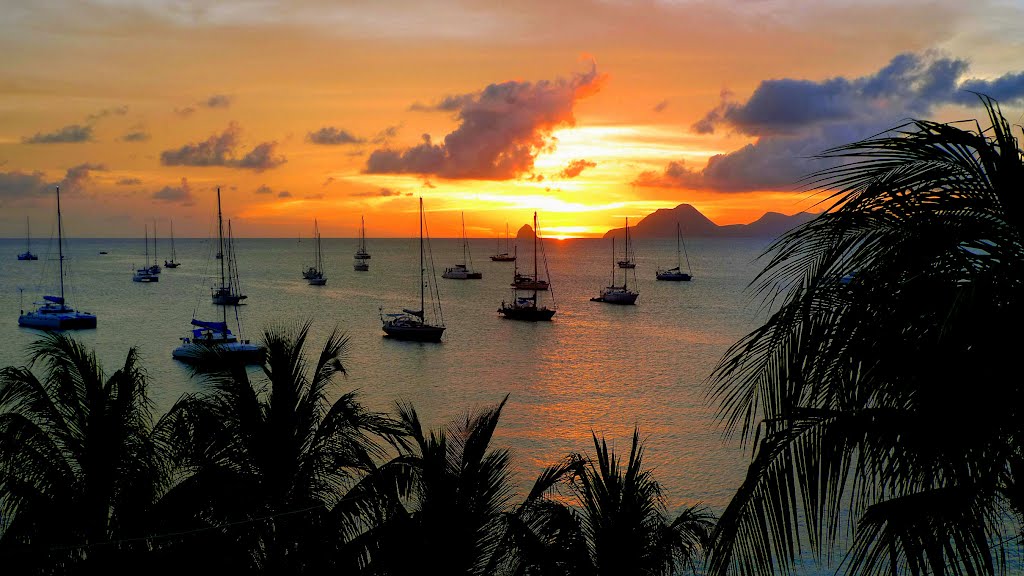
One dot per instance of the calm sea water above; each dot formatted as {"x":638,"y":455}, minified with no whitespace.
{"x":595,"y":368}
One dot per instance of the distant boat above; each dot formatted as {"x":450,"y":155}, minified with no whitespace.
{"x":361,"y":253}
{"x":676,"y":274}
{"x":54,"y":313}
{"x":227,"y":293}
{"x":103,"y":252}
{"x":412,"y":324}
{"x":463,"y":271}
{"x":613,"y":294}
{"x":315,"y":273}
{"x":628,"y":261}
{"x":154,"y":268}
{"x":501,"y":256}
{"x":27,"y":254}
{"x":360,"y":264}
{"x":145,"y":274}
{"x":525,"y":307}
{"x":171,"y":263}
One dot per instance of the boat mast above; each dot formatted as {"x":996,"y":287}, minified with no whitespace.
{"x":172,"y":241}
{"x":613,"y":262}
{"x":220,"y":239}
{"x":154,"y":242}
{"x":535,"y":277}
{"x":423,"y":310}
{"x":60,"y":248}
{"x":146,"y":265}
{"x":465,"y":260}
{"x":28,"y":236}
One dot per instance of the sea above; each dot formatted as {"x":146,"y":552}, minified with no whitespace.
{"x":594,"y":369}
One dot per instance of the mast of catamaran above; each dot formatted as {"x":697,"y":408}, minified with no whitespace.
{"x":60,"y":248}
{"x":423,"y":310}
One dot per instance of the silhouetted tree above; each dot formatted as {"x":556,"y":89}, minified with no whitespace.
{"x":80,"y":470}
{"x":882,"y":397}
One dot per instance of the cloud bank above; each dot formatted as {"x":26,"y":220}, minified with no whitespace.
{"x":794,"y":119}
{"x":221,"y":150}
{"x":501,"y":130}
{"x":69,"y":134}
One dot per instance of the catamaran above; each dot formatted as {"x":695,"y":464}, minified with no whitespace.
{"x":525,"y":307}
{"x":412,"y":324}
{"x":54,"y":313}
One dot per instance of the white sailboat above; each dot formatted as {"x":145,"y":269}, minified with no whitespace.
{"x":315,"y":273}
{"x":677,"y":274}
{"x":413,"y":324}
{"x":525,"y":307}
{"x":628,"y":260}
{"x":227,"y":293}
{"x":613,"y":294}
{"x":463,"y":271}
{"x":172,"y":263}
{"x":360,"y":264}
{"x":145,"y":274}
{"x":27,"y":254}
{"x":504,"y":256}
{"x":54,"y":313}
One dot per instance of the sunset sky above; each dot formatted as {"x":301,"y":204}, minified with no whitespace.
{"x":586,"y":111}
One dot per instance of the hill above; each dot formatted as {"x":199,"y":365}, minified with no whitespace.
{"x":662,"y":224}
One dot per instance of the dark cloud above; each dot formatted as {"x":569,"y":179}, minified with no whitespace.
{"x":218,"y":101}
{"x":129,"y":182}
{"x":135,"y":136}
{"x":330,"y":136}
{"x":176,"y":194}
{"x":575,"y":167}
{"x":284,"y":194}
{"x":793,"y":120}
{"x":381,"y":193}
{"x":76,"y":178}
{"x":385,"y":135}
{"x":660,"y":106}
{"x":67,"y":134}
{"x":264,"y":189}
{"x":501,"y":130}
{"x":186,"y":111}
{"x":119,"y":111}
{"x":452,"y":103}
{"x":220,"y":150}
{"x":21,"y":185}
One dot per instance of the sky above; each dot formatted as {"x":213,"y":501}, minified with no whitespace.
{"x":586,"y":111}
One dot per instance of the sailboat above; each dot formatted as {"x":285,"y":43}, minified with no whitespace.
{"x":315,"y":273}
{"x":227,"y":293}
{"x":154,"y":268}
{"x":412,"y":324}
{"x":628,"y":261}
{"x":465,"y":270}
{"x":171,"y":263}
{"x":145,"y":274}
{"x":54,"y":313}
{"x":613,"y":294}
{"x":526,"y":281}
{"x":27,"y":254}
{"x":504,"y":256}
{"x":360,"y":264}
{"x":676,"y":273}
{"x":525,"y":307}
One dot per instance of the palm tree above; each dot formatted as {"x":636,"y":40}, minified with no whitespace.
{"x":271,"y":462}
{"x":875,"y":395}
{"x":79,"y":468}
{"x":614,"y":521}
{"x":449,"y":492}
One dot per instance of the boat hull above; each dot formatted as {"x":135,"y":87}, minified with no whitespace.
{"x":57,"y":321}
{"x":27,"y":256}
{"x":526,"y":313}
{"x":617,"y":297}
{"x":145,"y":278}
{"x":317,"y":281}
{"x":674,"y":276}
{"x":625,"y":264}
{"x":225,"y":298}
{"x":171,"y":264}
{"x":241,"y":351}
{"x":361,"y":266}
{"x":415,"y":333}
{"x":503,"y":258}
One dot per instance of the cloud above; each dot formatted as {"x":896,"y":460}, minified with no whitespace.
{"x":501,"y":130}
{"x":67,"y":134}
{"x":380,"y":193}
{"x":452,"y":103}
{"x":21,"y":185}
{"x":119,"y":111}
{"x":385,"y":135}
{"x":575,"y":167}
{"x":794,"y":119}
{"x":78,"y":176}
{"x":129,"y":182}
{"x":176,"y":194}
{"x":264,"y":189}
{"x":135,"y":136}
{"x":284,"y":194}
{"x":331,"y":136}
{"x":328,"y":181}
{"x":186,"y":111}
{"x":220,"y":150}
{"x":660,"y":106}
{"x":218,"y":101}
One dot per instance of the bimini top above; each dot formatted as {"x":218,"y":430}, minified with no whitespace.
{"x":54,"y":299}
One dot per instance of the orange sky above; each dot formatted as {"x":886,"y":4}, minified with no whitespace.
{"x":586,"y":111}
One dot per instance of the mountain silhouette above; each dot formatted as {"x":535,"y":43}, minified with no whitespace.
{"x":662,"y":224}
